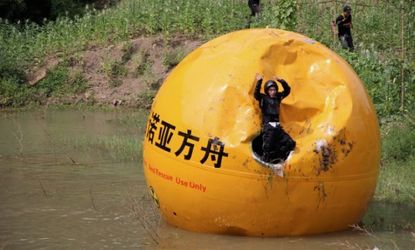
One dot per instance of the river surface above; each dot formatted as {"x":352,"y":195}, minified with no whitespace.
{"x":73,"y":179}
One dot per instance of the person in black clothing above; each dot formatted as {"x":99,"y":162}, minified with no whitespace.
{"x":344,"y":25}
{"x":254,"y":6}
{"x":277,"y":144}
{"x":255,"y":9}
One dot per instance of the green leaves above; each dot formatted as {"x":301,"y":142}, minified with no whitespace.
{"x":384,"y":66}
{"x":278,"y":14}
{"x":398,"y":141}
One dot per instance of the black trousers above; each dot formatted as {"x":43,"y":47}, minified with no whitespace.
{"x":346,"y":41}
{"x":277,"y":144}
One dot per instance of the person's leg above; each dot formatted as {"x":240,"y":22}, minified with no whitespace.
{"x":267,"y":142}
{"x":256,"y":9}
{"x":350,"y":42}
{"x":343,"y":42}
{"x":286,"y":143}
{"x":251,"y":7}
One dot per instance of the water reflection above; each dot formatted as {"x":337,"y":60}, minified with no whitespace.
{"x":73,"y":179}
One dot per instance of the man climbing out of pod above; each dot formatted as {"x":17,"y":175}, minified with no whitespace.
{"x":276,"y":143}
{"x":344,"y":25}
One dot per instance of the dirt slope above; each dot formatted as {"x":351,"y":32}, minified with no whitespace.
{"x":126,"y":74}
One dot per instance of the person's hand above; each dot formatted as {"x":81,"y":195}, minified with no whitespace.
{"x":276,"y":78}
{"x":258,"y":77}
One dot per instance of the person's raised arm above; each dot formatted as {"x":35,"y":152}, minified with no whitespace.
{"x":285,"y":87}
{"x":257,"y":93}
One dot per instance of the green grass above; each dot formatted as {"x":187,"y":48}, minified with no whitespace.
{"x":118,"y":147}
{"x":125,"y":144}
{"x":114,"y":70}
{"x":398,"y":140}
{"x":145,"y":98}
{"x":173,"y":57}
{"x":128,"y":50}
{"x":142,"y":63}
{"x":379,"y":60}
{"x":58,"y":83}
{"x":397,"y":173}
{"x":378,"y":37}
{"x":396,"y":182}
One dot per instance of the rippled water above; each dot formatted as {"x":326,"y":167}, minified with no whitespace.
{"x":73,"y":180}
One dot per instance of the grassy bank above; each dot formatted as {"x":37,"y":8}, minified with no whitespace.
{"x":397,"y":176}
{"x":383,"y":32}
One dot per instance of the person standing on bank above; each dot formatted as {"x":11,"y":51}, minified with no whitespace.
{"x":277,"y":144}
{"x":254,"y":7}
{"x":344,"y":26}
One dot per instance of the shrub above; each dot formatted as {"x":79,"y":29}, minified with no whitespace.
{"x":398,"y":141}
{"x":173,"y":57}
{"x":114,"y":70}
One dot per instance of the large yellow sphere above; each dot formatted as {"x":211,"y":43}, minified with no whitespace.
{"x":198,"y":158}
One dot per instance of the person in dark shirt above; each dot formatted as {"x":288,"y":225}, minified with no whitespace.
{"x":254,"y":6}
{"x":344,"y":25}
{"x":277,"y":144}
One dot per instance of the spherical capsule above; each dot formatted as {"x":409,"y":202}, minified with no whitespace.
{"x":199,"y":148}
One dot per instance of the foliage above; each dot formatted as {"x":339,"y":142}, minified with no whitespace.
{"x":59,"y":83}
{"x":396,"y":182}
{"x":128,"y":50}
{"x":145,"y":98}
{"x":40,"y":10}
{"x":383,"y":33}
{"x":114,"y":70}
{"x":379,"y":78}
{"x":13,"y":93}
{"x":173,"y":57}
{"x":398,"y":140}
{"x":143,"y":63}
{"x":278,"y":14}
{"x":386,"y":68}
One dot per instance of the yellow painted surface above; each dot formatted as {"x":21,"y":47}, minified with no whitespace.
{"x":210,"y":95}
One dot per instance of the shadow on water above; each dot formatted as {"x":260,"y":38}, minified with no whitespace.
{"x":74,"y":180}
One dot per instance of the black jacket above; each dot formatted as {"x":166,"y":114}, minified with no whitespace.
{"x":344,"y":25}
{"x":251,"y":2}
{"x":271,"y":106}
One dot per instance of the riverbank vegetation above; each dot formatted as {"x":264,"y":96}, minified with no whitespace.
{"x":383,"y":32}
{"x":145,"y":39}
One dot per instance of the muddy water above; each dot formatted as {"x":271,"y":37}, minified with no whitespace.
{"x":66,"y":183}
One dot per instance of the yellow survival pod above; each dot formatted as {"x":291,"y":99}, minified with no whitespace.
{"x":198,"y":155}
